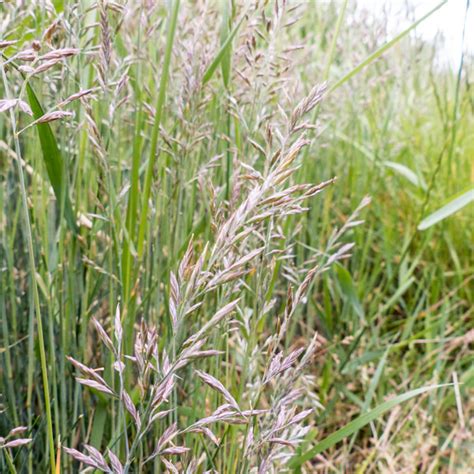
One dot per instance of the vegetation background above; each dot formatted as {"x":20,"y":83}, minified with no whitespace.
{"x":155,"y":221}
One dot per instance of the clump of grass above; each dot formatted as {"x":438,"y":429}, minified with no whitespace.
{"x":220,"y":270}
{"x":179,"y":250}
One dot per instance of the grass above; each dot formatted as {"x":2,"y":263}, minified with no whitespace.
{"x":183,"y":231}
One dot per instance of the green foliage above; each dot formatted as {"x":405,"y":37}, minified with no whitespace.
{"x":52,"y":159}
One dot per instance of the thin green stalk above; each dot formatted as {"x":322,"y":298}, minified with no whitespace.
{"x":30,"y":371}
{"x":332,"y":48}
{"x":8,"y":379}
{"x":8,"y":458}
{"x":156,"y":125}
{"x":454,"y":121}
{"x":132,"y":199}
{"x":34,"y":286}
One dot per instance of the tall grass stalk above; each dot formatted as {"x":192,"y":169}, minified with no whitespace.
{"x":34,"y":287}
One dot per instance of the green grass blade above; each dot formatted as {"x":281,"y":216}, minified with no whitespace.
{"x":223,"y":52}
{"x":9,"y":460}
{"x":383,"y":49}
{"x":406,"y":172}
{"x":371,"y":391}
{"x":52,"y":159}
{"x":358,"y":423}
{"x":227,"y":57}
{"x":132,"y":205}
{"x":349,"y":291}
{"x":454,"y":205}
{"x":332,"y":48}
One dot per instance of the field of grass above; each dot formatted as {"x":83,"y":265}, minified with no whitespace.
{"x":220,"y":245}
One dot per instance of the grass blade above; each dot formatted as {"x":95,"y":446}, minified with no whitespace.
{"x":52,"y":159}
{"x":454,"y":205}
{"x":227,"y":57}
{"x":349,"y":290}
{"x":371,"y":391}
{"x":358,"y":423}
{"x":406,"y":173}
{"x":383,"y":49}
{"x":222,"y":53}
{"x":332,"y":48}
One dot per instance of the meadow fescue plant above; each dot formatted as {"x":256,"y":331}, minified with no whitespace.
{"x":228,"y":241}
